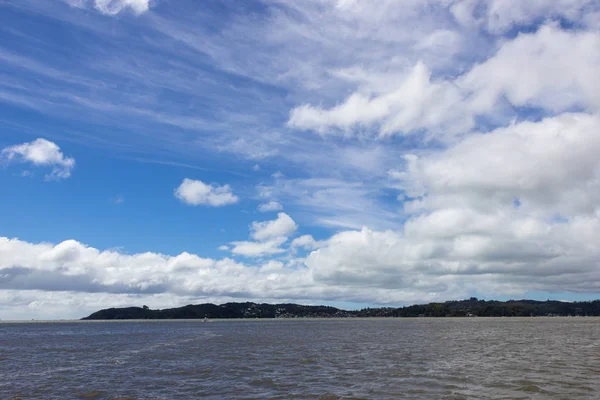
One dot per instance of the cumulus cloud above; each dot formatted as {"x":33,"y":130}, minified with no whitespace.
{"x":489,"y":254}
{"x":306,"y":242}
{"x":514,"y":210}
{"x":41,"y":153}
{"x":562,"y":74}
{"x":283,"y":225}
{"x":561,"y":77}
{"x":194,"y":192}
{"x":268,"y":237}
{"x":447,"y":253}
{"x":270,"y":206}
{"x":255,"y":249}
{"x":73,"y":266}
{"x":416,"y":104}
{"x":511,"y":211}
{"x":550,"y":166}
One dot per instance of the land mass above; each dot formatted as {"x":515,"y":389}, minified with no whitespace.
{"x":472,"y":307}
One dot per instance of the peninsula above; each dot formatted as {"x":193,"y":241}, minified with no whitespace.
{"x":472,"y":307}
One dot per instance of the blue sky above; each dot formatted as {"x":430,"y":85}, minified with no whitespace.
{"x":319,"y":152}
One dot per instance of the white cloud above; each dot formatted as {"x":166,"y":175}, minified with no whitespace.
{"x":256,"y":167}
{"x":449,"y":253}
{"x":113,"y":7}
{"x":253,"y":148}
{"x":441,"y":41}
{"x":268,"y":237}
{"x":73,"y":267}
{"x":306,"y":242}
{"x":416,"y":104}
{"x":561,"y":74}
{"x":551,"y":166}
{"x":41,"y":153}
{"x":358,"y":257}
{"x":505,"y":202}
{"x":498,"y":16}
{"x":514,"y":257}
{"x":196,"y":192}
{"x":44,"y":305}
{"x":255,"y":249}
{"x":283,"y":225}
{"x":301,"y":43}
{"x":560,"y":77}
{"x":270,"y":206}
{"x":464,"y":229}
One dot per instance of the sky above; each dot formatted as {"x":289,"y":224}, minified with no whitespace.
{"x":344,"y":152}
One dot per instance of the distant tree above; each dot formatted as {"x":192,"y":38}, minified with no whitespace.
{"x":145,"y":307}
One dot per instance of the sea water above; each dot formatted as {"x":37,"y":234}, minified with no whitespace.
{"x":446,"y":358}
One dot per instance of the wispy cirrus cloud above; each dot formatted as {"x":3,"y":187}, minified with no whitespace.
{"x":113,"y":7}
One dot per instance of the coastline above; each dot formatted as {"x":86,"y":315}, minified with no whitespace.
{"x":306,"y":319}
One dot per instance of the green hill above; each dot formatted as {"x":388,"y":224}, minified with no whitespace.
{"x":460,"y":308}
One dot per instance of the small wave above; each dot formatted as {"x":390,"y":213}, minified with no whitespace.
{"x":328,"y":396}
{"x":531,"y":389}
{"x":263,"y":382}
{"x":90,"y":395}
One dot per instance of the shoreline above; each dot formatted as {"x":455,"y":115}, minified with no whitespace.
{"x":307,"y":319}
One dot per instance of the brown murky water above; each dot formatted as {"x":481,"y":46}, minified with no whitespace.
{"x":477,"y":358}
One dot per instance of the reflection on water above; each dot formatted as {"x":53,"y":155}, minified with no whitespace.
{"x":531,"y":358}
